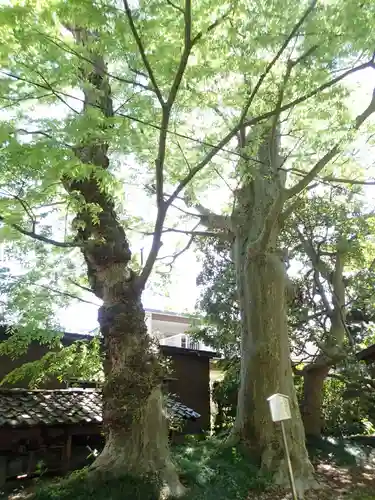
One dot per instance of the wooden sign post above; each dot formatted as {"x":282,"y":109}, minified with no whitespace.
{"x":280,"y":411}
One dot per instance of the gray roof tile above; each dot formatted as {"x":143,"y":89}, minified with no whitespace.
{"x":24,"y":408}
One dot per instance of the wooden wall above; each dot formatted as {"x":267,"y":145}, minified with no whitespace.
{"x":191,"y":374}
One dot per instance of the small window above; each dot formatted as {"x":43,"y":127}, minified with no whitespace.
{"x":183,"y":342}
{"x":194,"y":345}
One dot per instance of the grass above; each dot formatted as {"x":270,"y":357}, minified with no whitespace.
{"x":342,"y":452}
{"x":78,"y":486}
{"x":362,"y":496}
{"x":208,"y":471}
{"x":216,"y":473}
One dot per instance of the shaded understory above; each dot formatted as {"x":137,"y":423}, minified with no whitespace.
{"x":346,"y":470}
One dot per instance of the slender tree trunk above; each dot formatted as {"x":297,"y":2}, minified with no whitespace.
{"x":315,"y":374}
{"x":311,"y":407}
{"x":265,"y":358}
{"x":133,"y":418}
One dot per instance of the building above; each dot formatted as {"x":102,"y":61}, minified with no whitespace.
{"x":59,"y":428}
{"x":53,"y":420}
{"x":186,"y":364}
{"x":172,"y":329}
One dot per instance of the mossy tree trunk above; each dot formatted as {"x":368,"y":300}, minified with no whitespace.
{"x":133,"y":417}
{"x":262,"y":288}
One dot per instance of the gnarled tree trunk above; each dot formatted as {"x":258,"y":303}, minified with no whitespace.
{"x":133,"y":414}
{"x":262,"y":287}
{"x":133,"y":417}
{"x":315,"y":374}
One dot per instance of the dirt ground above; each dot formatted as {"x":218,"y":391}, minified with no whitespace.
{"x":336,"y":483}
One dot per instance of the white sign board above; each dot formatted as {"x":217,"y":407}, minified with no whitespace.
{"x":280,"y":407}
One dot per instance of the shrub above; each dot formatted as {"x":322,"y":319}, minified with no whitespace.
{"x":224,"y":395}
{"x":214,"y":472}
{"x":345,"y":413}
{"x":79,"y":486}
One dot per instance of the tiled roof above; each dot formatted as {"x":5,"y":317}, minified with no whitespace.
{"x":21,"y":407}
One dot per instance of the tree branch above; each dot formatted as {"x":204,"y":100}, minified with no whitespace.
{"x":218,"y":234}
{"x":55,"y":93}
{"x":174,"y":256}
{"x":253,"y":121}
{"x":180,"y":9}
{"x":159,"y":162}
{"x":167,"y":108}
{"x":65,"y":294}
{"x":316,"y":262}
{"x":66,"y":48}
{"x":330,"y":179}
{"x":142,"y":52}
{"x":84,"y":288}
{"x":127,"y":116}
{"x":28,"y":210}
{"x":39,"y":237}
{"x":275,"y":59}
{"x":348,"y":181}
{"x":188,"y":45}
{"x":210,"y":219}
{"x":27,"y":97}
{"x":303,"y":183}
{"x":221,"y":145}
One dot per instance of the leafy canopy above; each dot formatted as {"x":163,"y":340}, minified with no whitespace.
{"x":184,"y":81}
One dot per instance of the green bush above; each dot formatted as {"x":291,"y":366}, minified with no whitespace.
{"x":79,"y":486}
{"x":214,"y":472}
{"x":208,"y":470}
{"x":345,"y":413}
{"x":224,"y":395}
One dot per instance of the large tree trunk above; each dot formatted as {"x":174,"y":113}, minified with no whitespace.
{"x":265,"y":358}
{"x":136,"y":427}
{"x":133,"y":417}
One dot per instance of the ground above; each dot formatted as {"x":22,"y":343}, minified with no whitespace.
{"x":339,"y":483}
{"x":346,"y":471}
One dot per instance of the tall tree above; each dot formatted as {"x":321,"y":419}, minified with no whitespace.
{"x":263,"y":204}
{"x":335,"y":233}
{"x":255,"y":226}
{"x":219,"y":314}
{"x":131,"y":84}
{"x":330,"y":243}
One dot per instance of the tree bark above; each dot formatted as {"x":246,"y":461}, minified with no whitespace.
{"x":133,"y":417}
{"x":311,"y":407}
{"x":265,"y":357}
{"x":133,"y":414}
